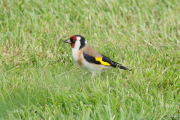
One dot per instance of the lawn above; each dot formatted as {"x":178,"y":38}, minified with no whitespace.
{"x":40,"y":80}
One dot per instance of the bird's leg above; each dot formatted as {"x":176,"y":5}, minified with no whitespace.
{"x":93,"y":74}
{"x":83,"y":74}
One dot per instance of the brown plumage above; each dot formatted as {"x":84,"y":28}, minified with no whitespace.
{"x":90,"y":51}
{"x":80,"y":58}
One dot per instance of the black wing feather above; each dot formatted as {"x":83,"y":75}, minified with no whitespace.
{"x":90,"y":59}
{"x":114,"y":64}
{"x":106,"y":59}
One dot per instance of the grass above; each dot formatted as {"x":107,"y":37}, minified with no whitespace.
{"x":40,"y":80}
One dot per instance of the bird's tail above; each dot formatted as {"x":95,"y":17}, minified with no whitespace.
{"x":120,"y":66}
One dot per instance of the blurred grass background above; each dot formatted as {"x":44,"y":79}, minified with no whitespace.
{"x":40,"y":80}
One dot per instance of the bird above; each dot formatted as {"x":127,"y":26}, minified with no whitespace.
{"x":88,"y":58}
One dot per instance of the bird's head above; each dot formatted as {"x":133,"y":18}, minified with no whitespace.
{"x":76,"y":41}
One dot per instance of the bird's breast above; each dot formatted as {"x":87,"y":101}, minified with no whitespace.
{"x":77,"y":56}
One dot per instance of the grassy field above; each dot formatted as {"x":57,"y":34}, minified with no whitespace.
{"x":40,"y":80}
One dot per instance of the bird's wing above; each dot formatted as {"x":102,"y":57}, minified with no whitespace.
{"x":114,"y":64}
{"x":93,"y":56}
{"x":106,"y":59}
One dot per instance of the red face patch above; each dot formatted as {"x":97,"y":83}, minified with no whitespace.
{"x":72,"y":45}
{"x":73,"y":39}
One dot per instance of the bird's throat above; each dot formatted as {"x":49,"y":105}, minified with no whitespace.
{"x":72,"y":45}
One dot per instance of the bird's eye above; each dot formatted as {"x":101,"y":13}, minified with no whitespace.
{"x":73,"y":41}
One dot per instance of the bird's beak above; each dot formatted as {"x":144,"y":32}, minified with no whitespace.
{"x":67,"y":41}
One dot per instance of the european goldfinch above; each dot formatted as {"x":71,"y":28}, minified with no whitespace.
{"x":88,"y":58}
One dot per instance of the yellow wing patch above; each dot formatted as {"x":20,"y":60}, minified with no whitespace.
{"x":101,"y":61}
